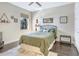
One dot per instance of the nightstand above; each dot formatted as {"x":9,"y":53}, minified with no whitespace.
{"x":66,"y":37}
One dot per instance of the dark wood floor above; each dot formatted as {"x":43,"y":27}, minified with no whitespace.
{"x":64,"y":49}
{"x":9,"y":46}
{"x":61,"y":49}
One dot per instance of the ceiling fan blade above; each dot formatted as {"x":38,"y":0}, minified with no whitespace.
{"x":30,"y":3}
{"x":38,"y":3}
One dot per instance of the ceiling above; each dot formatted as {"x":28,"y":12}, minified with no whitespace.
{"x":35,"y":7}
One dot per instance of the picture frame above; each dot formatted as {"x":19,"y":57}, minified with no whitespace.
{"x":48,"y":20}
{"x":4,"y":19}
{"x":24,"y":21}
{"x":36,"y":20}
{"x":14,"y":19}
{"x":24,"y":24}
{"x":63,"y":19}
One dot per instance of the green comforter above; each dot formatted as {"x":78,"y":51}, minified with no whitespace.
{"x":39,"y":39}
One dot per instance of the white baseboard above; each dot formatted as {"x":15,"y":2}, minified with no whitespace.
{"x":76,"y":47}
{"x":5,"y":43}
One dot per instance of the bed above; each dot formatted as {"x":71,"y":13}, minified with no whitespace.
{"x":41,"y":39}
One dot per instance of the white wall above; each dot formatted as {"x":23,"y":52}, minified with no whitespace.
{"x":56,"y":12}
{"x":77,"y":25}
{"x":11,"y":31}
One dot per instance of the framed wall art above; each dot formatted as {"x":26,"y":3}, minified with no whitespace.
{"x":36,"y":20}
{"x":14,"y":19}
{"x":4,"y":19}
{"x":63,"y":19}
{"x":24,"y":23}
{"x":48,"y":20}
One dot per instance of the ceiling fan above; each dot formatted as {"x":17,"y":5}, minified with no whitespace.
{"x":36,"y":3}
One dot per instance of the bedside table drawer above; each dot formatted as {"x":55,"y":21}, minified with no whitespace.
{"x":65,"y":38}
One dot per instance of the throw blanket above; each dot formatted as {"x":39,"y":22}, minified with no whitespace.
{"x":39,"y":39}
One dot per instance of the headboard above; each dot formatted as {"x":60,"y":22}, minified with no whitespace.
{"x":47,"y":27}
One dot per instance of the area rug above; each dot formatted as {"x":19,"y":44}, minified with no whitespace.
{"x":19,"y":52}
